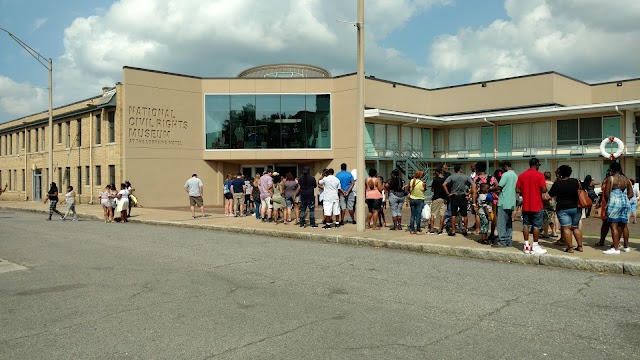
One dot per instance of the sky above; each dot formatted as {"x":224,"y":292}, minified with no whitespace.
{"x":427,"y":43}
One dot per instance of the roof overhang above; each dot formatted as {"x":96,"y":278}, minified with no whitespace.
{"x":545,"y":112}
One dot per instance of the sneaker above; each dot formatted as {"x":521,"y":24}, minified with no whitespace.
{"x":338,"y":225}
{"x":625,"y":249}
{"x":491,"y":237}
{"x":341,"y":223}
{"x":611,"y":251}
{"x":465,"y":233}
{"x":77,"y":220}
{"x":353,"y":222}
{"x":314,"y":225}
{"x":537,"y":250}
{"x":326,"y":226}
{"x":527,"y":249}
{"x":430,"y":232}
{"x":451,"y":234}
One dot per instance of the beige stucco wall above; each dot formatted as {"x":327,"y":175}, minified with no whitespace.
{"x":629,"y":90}
{"x":163,"y":131}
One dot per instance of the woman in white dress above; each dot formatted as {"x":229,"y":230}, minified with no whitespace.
{"x":123,"y":203}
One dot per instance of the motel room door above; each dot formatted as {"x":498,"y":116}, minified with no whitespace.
{"x":37,"y":185}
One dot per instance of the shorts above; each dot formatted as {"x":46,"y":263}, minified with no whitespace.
{"x":634,"y":207}
{"x":438,"y":207}
{"x":532,"y":219}
{"x":105,"y":203}
{"x":484,"y":223}
{"x":347,"y":202}
{"x":228,"y":196}
{"x":374,"y":204}
{"x":331,"y":208}
{"x":195,"y":200}
{"x":297,"y":200}
{"x":266,"y":203}
{"x":519,"y":201}
{"x":289,"y":201}
{"x":238,"y":199}
{"x":547,"y":217}
{"x":569,"y":217}
{"x":459,"y":205}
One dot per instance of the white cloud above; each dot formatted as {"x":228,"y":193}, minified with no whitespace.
{"x":19,"y":99}
{"x":38,"y":23}
{"x":569,"y":36}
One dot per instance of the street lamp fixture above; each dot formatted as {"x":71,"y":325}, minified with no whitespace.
{"x":47,"y":63}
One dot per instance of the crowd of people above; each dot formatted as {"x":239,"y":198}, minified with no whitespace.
{"x":548,"y":207}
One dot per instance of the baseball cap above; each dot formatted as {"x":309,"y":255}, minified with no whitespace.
{"x":306,"y":170}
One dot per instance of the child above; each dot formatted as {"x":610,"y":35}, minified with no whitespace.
{"x":484,"y":212}
{"x":381,"y":219}
{"x":70,"y":199}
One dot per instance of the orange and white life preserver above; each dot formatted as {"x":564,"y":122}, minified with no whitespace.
{"x":607,"y":141}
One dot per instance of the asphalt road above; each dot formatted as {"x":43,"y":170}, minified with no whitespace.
{"x":96,"y":290}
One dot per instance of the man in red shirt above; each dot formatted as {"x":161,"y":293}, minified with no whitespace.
{"x":531,"y":185}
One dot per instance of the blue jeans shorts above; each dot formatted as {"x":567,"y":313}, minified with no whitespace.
{"x":532,"y":219}
{"x":569,"y":217}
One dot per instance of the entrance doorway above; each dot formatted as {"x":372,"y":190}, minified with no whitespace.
{"x":284,"y":169}
{"x":250,"y":170}
{"x":37,"y":185}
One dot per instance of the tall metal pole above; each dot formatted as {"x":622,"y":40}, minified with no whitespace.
{"x":50,"y":179}
{"x":48,"y":63}
{"x":360,"y":128}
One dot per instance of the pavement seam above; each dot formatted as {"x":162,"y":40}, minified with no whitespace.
{"x":561,"y":261}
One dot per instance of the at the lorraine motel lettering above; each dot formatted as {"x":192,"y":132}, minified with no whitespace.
{"x":149,"y":125}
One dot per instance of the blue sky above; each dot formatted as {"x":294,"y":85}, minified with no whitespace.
{"x":428,"y":43}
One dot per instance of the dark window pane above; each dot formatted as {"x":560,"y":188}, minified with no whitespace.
{"x":567,"y":132}
{"x":294,"y":115}
{"x":318,"y":121}
{"x":241,"y":118}
{"x":216,"y":120}
{"x":591,"y":130}
{"x":267,"y":127}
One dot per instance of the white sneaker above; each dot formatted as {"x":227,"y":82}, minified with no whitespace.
{"x":537,"y":250}
{"x":611,"y":251}
{"x":527,"y":249}
{"x":625,"y":249}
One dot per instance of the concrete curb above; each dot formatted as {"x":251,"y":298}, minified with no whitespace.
{"x":560,"y":261}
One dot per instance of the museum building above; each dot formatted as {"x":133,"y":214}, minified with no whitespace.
{"x":156,"y":129}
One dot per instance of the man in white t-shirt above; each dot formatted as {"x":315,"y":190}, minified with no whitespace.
{"x":194,"y":188}
{"x":331,"y":199}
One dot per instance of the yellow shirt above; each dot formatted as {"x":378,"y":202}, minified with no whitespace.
{"x":418,"y":189}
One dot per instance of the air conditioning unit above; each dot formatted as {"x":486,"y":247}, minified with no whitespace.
{"x":530,"y":152}
{"x":577,"y":150}
{"x":463,"y":154}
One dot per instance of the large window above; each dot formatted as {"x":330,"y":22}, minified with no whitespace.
{"x":42,"y":140}
{"x":98,"y":129}
{"x":111,"y":120}
{"x":68,"y":140}
{"x":37,"y":132}
{"x":531,"y":135}
{"x":79,"y":130}
{"x":98,"y":175}
{"x":584,"y":131}
{"x":267,"y":121}
{"x":112,"y":174}
{"x":59,"y":133}
{"x":468,"y":139}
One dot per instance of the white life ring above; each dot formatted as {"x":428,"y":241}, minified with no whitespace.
{"x":607,"y":141}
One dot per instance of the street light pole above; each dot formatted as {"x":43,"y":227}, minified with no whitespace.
{"x":360,"y":128}
{"x":47,"y":63}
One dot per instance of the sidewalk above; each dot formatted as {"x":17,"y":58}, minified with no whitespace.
{"x":591,"y":259}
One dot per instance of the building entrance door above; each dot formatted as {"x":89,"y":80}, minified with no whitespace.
{"x":37,"y":185}
{"x":284,"y":169}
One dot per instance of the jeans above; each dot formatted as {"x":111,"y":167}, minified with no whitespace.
{"x":304,"y":205}
{"x":256,"y":211}
{"x":505,"y":226}
{"x":416,"y":214}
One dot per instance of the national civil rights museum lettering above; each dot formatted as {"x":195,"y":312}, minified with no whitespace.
{"x":149,"y":125}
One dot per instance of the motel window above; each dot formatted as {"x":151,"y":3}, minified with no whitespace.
{"x":461,"y":139}
{"x":67,"y":176}
{"x":412,"y":136}
{"x":98,"y":175}
{"x":111,"y":119}
{"x":267,"y":121}
{"x":59,"y":133}
{"x":584,"y":131}
{"x":98,"y":129}
{"x":68,"y":134}
{"x":79,"y":189}
{"x":438,"y":140}
{"x":79,"y":132}
{"x":531,"y":135}
{"x":112,"y":174}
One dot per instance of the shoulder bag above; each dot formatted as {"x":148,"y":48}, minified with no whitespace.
{"x":583,"y":198}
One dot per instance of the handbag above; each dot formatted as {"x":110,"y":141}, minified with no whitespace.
{"x":583,"y":198}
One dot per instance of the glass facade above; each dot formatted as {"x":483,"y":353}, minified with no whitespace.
{"x":268,"y":121}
